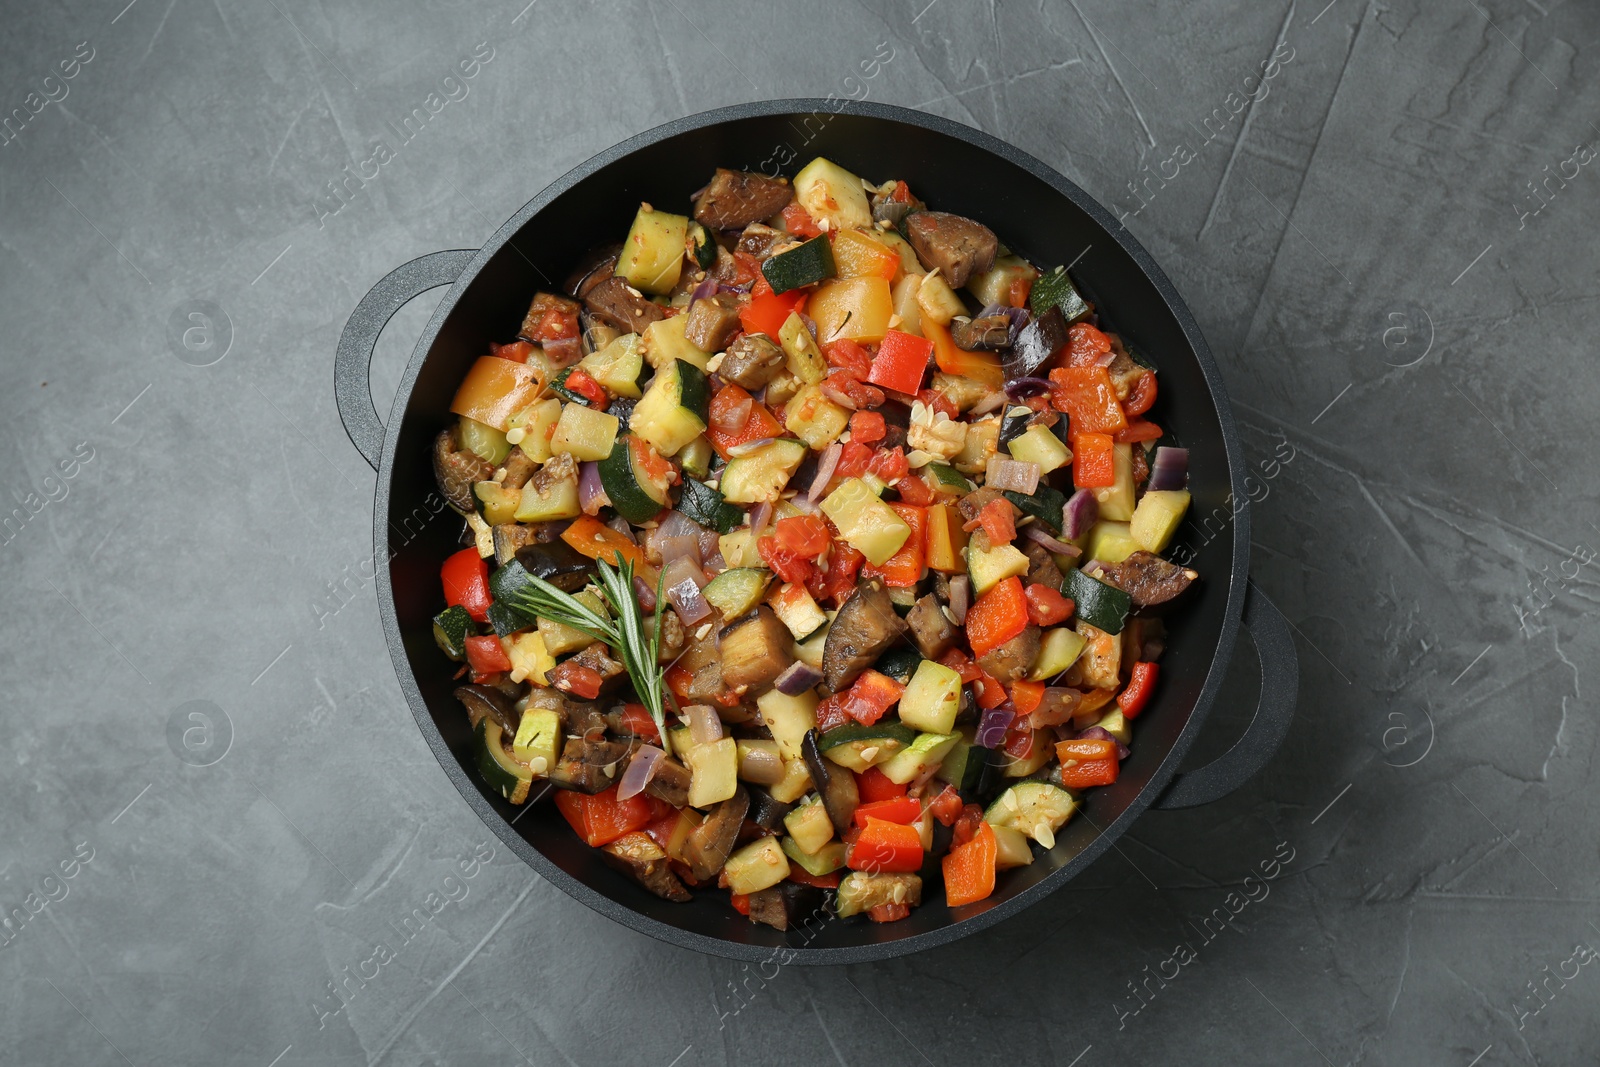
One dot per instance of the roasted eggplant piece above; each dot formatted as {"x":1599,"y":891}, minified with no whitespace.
{"x":1041,"y":339}
{"x":930,"y":629}
{"x":735,"y":198}
{"x":766,"y":812}
{"x":787,"y":904}
{"x":1148,"y":579}
{"x":639,"y":857}
{"x":953,"y":245}
{"x":669,"y":782}
{"x":991,"y":332}
{"x":836,"y":784}
{"x":755,"y":650}
{"x":707,"y":847}
{"x":711,"y":322}
{"x":1044,"y":570}
{"x":1010,"y":662}
{"x":483,"y":702}
{"x":508,"y":537}
{"x":864,"y":627}
{"x":589,"y":765}
{"x":455,"y":469}
{"x":557,"y":563}
{"x":618,"y":306}
{"x":597,"y":657}
{"x":752,"y":361}
{"x":594,"y":268}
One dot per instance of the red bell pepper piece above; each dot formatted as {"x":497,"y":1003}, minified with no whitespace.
{"x":988,"y":691}
{"x":873,"y":785}
{"x":888,"y":913}
{"x":768,"y":311}
{"x":1086,"y":773}
{"x":1088,"y":398}
{"x":466,"y":582}
{"x":678,"y":678}
{"x":485,"y":655}
{"x":569,"y":677}
{"x":1046,"y":606}
{"x":580,"y":382}
{"x":906,"y":567}
{"x":1020,"y":739}
{"x":870,"y":696}
{"x":999,"y":615}
{"x":1093,"y":461}
{"x":516,"y":351}
{"x":741,"y":903}
{"x":886,"y":847}
{"x":799,"y":874}
{"x":1138,"y":430}
{"x":983,"y":367}
{"x":1086,"y":346}
{"x":967,"y":825}
{"x":901,"y":363}
{"x":895,"y":809}
{"x":962,"y":664}
{"x":969,"y":868}
{"x":1137,"y":694}
{"x":636,"y":718}
{"x":947,"y":806}
{"x":831,"y":713}
{"x":602,"y":818}
{"x":1085,"y":748}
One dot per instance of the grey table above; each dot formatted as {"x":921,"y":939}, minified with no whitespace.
{"x":224,"y":841}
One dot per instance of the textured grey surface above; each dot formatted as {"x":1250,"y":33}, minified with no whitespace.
{"x":1360,"y":245}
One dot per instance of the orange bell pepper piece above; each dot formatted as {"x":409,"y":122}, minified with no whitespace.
{"x":969,"y":868}
{"x":593,"y":538}
{"x":999,"y":615}
{"x":887,"y":847}
{"x":1093,"y":461}
{"x":905,"y":567}
{"x":982,"y":367}
{"x":602,"y":818}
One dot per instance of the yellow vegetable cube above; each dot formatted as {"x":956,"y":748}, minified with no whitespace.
{"x":867,"y":523}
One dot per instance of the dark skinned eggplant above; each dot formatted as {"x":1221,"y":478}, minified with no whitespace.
{"x":483,"y":702}
{"x":639,"y":857}
{"x":755,"y":650}
{"x":766,"y":812}
{"x":836,"y":784}
{"x":669,"y":782}
{"x":930,"y":629}
{"x":787,"y":904}
{"x":707,"y":847}
{"x":865,"y":626}
{"x":589,"y":766}
{"x":1040,"y":340}
{"x":557,"y":563}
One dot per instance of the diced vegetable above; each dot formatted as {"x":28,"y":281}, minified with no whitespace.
{"x":859,"y":255}
{"x":969,"y":869}
{"x":1055,"y":290}
{"x":635,"y":478}
{"x":1116,"y":498}
{"x":494,"y":390}
{"x":1037,"y":809}
{"x":805,"y":264}
{"x":674,"y":410}
{"x":666,"y":341}
{"x":798,"y":610}
{"x":618,"y":365}
{"x":830,"y":193}
{"x":538,"y":738}
{"x":652,"y":255}
{"x":869,"y":525}
{"x":1038,"y":445}
{"x":1156,"y":518}
{"x":584,"y":432}
{"x":937,"y":301}
{"x":932,"y":699}
{"x":715,"y":770}
{"x":902,"y":361}
{"x":925,"y":754}
{"x":734,"y":592}
{"x":1111,"y":542}
{"x":854,"y":309}
{"x":813,"y":418}
{"x":1058,"y":650}
{"x":756,"y":866}
{"x":993,"y":565}
{"x":804,"y":358}
{"x":761,"y":474}
{"x":824,"y":861}
{"x":809,"y":825}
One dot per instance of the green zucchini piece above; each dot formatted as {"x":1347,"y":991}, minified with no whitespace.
{"x":675,"y":409}
{"x":926,"y":752}
{"x":809,"y":826}
{"x":805,"y":264}
{"x":761,"y":474}
{"x":1045,"y":504}
{"x":882,"y":730}
{"x":950,"y":478}
{"x":899,"y":663}
{"x":705,"y":505}
{"x":1038,"y":809}
{"x":484,"y":441}
{"x":1102,"y":606}
{"x":860,"y":891}
{"x":504,"y":585}
{"x":702,"y":247}
{"x":496,"y":503}
{"x":1055,"y":289}
{"x":824,"y":861}
{"x":736,"y":591}
{"x":505,"y":775}
{"x":558,"y":386}
{"x":451,"y":628}
{"x":696,"y":457}
{"x":636,"y":496}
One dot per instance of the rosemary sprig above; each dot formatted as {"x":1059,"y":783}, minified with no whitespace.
{"x":639,"y":652}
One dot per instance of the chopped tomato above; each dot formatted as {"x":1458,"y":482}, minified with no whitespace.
{"x":768,"y":311}
{"x":873,"y":785}
{"x":1093,"y":461}
{"x":1046,"y":607}
{"x":1018,"y":291}
{"x":946,"y":807}
{"x":999,"y":615}
{"x":805,"y":534}
{"x":846,"y":354}
{"x":901,"y":193}
{"x":939,"y":402}
{"x":1086,"y":396}
{"x":1020,"y":739}
{"x":799,"y":874}
{"x":895,"y":809}
{"x":678,"y":678}
{"x":831,"y":713}
{"x":902,"y":361}
{"x":1027,"y":695}
{"x":1086,"y":773}
{"x":854,"y":459}
{"x":798,"y":221}
{"x":889,"y":465}
{"x":1136,"y":431}
{"x":787,"y":564}
{"x":486,"y":655}
{"x":555,"y":325}
{"x":913,"y":490}
{"x":569,"y":677}
{"x":1086,"y":346}
{"x":516,"y":351}
{"x":962,"y":664}
{"x":741,"y":903}
{"x":465,"y":576}
{"x":886,"y":847}
{"x":867,"y":427}
{"x":969,"y":868}
{"x":1137,"y":694}
{"x":907,"y":566}
{"x":998,"y":519}
{"x":758,"y":424}
{"x":888,"y":913}
{"x":579,"y":382}
{"x":844,"y":388}
{"x":636,"y":718}
{"x":844,"y":563}
{"x":871,"y":695}
{"x":1141,"y":396}
{"x":967,"y":824}
{"x":746,"y":269}
{"x":602,"y":818}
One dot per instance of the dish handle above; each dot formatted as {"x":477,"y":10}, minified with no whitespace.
{"x":352,"y":364}
{"x":1280,"y":684}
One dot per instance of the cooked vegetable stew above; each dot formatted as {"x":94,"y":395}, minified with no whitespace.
{"x":815,"y":548}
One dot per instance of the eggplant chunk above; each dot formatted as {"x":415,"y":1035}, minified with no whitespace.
{"x":483,"y":702}
{"x":1043,"y":570}
{"x":597,"y":657}
{"x":1040,"y":340}
{"x":755,"y":650}
{"x":954,"y":246}
{"x":1148,"y":579}
{"x":1012,"y":660}
{"x":455,"y":469}
{"x":861,"y":891}
{"x":543,"y":304}
{"x":736,"y":198}
{"x":835,"y":783}
{"x":752,"y":361}
{"x":707,"y":847}
{"x":766,"y":812}
{"x":670,"y":782}
{"x":865,"y":626}
{"x":930,"y":629}
{"x":992,"y":332}
{"x":589,"y":766}
{"x":594,"y":268}
{"x":711,"y":322}
{"x":615,"y":304}
{"x":639,"y":857}
{"x":519,"y":468}
{"x":786,"y":904}
{"x":557,"y":563}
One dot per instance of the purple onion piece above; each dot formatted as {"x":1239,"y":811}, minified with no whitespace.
{"x":760,"y":518}
{"x":1100,"y":733}
{"x":1018,"y":317}
{"x":705,"y":290}
{"x":1022,"y":388}
{"x":641,"y":768}
{"x":591,"y":495}
{"x":994,"y":724}
{"x":684,"y":580}
{"x":988,"y":403}
{"x":750,"y":446}
{"x":797,"y":678}
{"x":705,"y":726}
{"x":623,"y":527}
{"x":825,"y":468}
{"x":1081,"y":512}
{"x":645,"y":592}
{"x":1012,"y":474}
{"x":1036,"y":532}
{"x":960,"y":597}
{"x":1170,"y":469}
{"x":1152,"y":650}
